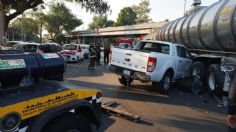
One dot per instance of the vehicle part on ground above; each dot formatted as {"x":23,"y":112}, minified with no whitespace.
{"x":120,"y":113}
{"x":205,"y":29}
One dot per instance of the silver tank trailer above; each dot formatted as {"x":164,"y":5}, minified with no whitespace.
{"x":212,"y":28}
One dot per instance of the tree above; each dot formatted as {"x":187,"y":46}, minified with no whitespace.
{"x":126,"y":17}
{"x":27,"y":28}
{"x":60,"y":19}
{"x":39,"y":16}
{"x":20,"y":6}
{"x":100,"y":22}
{"x":142,"y":10}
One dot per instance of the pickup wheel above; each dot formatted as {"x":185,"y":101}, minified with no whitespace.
{"x":123,"y":81}
{"x":215,"y":79}
{"x":68,"y":123}
{"x":165,"y":83}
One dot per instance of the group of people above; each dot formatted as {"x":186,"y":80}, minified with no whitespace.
{"x":95,"y":55}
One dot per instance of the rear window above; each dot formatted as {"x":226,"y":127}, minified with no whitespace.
{"x":30,"y":48}
{"x":70,"y":47}
{"x":155,"y":47}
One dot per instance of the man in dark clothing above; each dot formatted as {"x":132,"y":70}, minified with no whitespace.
{"x":106,"y":55}
{"x":232,"y":104}
{"x":98,"y":55}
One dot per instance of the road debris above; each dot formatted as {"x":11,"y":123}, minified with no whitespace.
{"x":110,"y":108}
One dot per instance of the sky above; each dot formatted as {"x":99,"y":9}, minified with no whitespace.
{"x":160,"y":9}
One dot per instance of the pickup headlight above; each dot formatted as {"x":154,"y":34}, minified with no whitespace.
{"x":10,"y":122}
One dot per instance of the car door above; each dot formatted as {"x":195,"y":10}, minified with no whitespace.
{"x":183,"y":62}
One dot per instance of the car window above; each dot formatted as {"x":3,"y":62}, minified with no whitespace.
{"x":183,"y":52}
{"x":30,"y":48}
{"x":156,"y":47}
{"x":70,"y":47}
{"x":58,"y":49}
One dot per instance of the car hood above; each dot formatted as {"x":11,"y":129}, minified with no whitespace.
{"x":68,"y":52}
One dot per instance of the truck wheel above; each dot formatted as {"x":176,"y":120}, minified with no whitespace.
{"x":123,"y":81}
{"x":69,"y":123}
{"x":199,"y":70}
{"x":165,"y":83}
{"x":215,"y":79}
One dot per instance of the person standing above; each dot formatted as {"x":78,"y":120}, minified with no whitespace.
{"x":231,"y":118}
{"x":98,"y":55}
{"x":106,"y":55}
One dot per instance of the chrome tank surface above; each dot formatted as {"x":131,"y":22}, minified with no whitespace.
{"x":211,"y":28}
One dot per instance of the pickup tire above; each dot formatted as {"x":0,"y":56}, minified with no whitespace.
{"x":215,"y":79}
{"x":123,"y":81}
{"x":165,"y":83}
{"x":68,"y":123}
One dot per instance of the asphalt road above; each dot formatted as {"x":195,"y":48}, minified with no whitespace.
{"x":179,"y":111}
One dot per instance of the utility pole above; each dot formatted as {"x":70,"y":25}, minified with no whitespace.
{"x":185,"y":6}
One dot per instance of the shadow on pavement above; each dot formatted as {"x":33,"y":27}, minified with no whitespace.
{"x":195,"y":125}
{"x":175,"y":97}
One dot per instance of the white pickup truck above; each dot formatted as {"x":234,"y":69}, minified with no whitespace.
{"x":152,"y":61}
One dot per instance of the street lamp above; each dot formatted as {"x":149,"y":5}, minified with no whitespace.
{"x":185,"y":6}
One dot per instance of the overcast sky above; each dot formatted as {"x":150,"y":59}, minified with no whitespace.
{"x":160,"y":9}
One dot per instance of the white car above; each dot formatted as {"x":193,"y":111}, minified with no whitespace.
{"x":85,"y":48}
{"x":72,"y":52}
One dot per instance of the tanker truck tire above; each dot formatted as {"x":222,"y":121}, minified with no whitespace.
{"x":199,"y":75}
{"x":199,"y":70}
{"x":215,"y":79}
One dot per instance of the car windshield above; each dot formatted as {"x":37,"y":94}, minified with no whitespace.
{"x":70,"y":47}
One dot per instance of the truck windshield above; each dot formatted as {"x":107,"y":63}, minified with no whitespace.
{"x":155,"y":47}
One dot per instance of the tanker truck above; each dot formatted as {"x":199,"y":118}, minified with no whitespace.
{"x":210,"y":34}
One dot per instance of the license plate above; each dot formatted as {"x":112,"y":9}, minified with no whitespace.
{"x":126,"y":72}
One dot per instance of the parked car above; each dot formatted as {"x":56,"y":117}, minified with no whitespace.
{"x":26,"y":47}
{"x":49,"y":48}
{"x":72,"y":52}
{"x":12,"y":43}
{"x":152,"y":61}
{"x":85,"y":48}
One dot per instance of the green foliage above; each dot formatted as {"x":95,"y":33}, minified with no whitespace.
{"x":100,"y":22}
{"x":60,"y":19}
{"x":60,"y":38}
{"x":26,"y":26}
{"x":126,"y":17}
{"x":94,"y":6}
{"x":142,"y":10}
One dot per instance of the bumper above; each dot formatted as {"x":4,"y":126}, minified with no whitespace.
{"x":133,"y":74}
{"x":70,"y":58}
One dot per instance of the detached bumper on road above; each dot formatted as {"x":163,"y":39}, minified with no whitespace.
{"x":133,"y":74}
